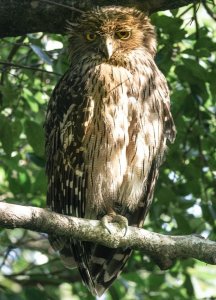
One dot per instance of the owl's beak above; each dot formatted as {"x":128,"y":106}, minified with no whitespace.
{"x":108,"y":47}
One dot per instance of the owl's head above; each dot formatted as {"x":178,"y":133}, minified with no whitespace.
{"x":111,"y":32}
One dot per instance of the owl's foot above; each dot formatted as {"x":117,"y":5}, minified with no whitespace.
{"x":114,"y":218}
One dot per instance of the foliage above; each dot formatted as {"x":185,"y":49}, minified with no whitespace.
{"x":185,"y":197}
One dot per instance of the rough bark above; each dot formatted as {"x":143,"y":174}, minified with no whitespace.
{"x":19,"y":17}
{"x":163,"y":249}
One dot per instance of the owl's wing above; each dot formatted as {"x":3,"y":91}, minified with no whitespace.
{"x":65,"y":169}
{"x":169,"y":126}
{"x":160,"y":97}
{"x":63,"y":130}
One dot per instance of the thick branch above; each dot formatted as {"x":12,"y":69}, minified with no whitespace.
{"x":18,"y":17}
{"x":163,"y":249}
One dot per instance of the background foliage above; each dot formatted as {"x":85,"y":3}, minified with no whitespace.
{"x":185,"y":197}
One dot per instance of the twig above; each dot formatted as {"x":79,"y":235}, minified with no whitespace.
{"x":63,"y":5}
{"x":208,"y":10}
{"x":185,"y":11}
{"x":17,"y":66}
{"x":195,"y":9}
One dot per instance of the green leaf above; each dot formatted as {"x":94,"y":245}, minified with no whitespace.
{"x":35,"y":294}
{"x":9,"y":93}
{"x":19,"y":181}
{"x":16,"y":127}
{"x":40,"y":184}
{"x":196,"y":69}
{"x":169,"y":25}
{"x":35,"y":136}
{"x":10,"y":131}
{"x":27,"y":94}
{"x":6,"y":134}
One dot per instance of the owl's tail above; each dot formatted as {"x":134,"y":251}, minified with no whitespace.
{"x":105,"y":266}
{"x":98,"y":265}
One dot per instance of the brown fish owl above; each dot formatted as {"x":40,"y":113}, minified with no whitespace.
{"x":107,"y":125}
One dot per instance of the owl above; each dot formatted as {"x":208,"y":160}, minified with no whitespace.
{"x":107,"y":125}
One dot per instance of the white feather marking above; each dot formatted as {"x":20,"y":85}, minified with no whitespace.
{"x":79,"y":173}
{"x":71,"y":184}
{"x":98,"y":260}
{"x":107,"y":277}
{"x":119,"y":256}
{"x":65,"y":117}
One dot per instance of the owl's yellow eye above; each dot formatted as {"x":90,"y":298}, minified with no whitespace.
{"x":90,"y":36}
{"x":123,"y":35}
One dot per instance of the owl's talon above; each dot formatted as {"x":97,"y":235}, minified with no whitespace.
{"x":105,"y":222}
{"x":121,"y":220}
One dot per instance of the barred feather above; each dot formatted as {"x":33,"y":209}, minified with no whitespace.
{"x":107,"y":124}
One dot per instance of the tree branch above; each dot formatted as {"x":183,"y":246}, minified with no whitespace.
{"x":28,"y":16}
{"x":163,"y":249}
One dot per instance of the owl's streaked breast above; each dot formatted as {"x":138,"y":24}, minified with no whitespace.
{"x":117,"y":139}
